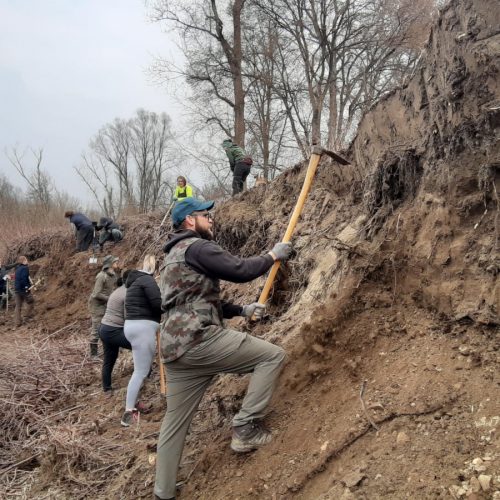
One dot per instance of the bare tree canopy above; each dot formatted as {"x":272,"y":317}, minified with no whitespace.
{"x":40,"y":185}
{"x":127,"y":162}
{"x":280,"y":75}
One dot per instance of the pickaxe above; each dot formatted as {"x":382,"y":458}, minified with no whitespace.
{"x":316,"y":154}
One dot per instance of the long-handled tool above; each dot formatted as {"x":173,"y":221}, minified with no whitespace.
{"x":316,"y":154}
{"x":168,"y":212}
{"x":7,"y":291}
{"x":163,"y":384}
{"x":93,"y":259}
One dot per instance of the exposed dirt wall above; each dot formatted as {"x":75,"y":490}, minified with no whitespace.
{"x":394,"y":288}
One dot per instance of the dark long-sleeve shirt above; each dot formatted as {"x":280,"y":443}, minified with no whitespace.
{"x":80,"y":220}
{"x":207,"y":257}
{"x":22,"y":282}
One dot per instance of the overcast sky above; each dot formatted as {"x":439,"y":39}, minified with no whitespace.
{"x":67,"y":67}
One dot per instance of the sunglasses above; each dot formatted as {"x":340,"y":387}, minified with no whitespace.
{"x":207,"y":215}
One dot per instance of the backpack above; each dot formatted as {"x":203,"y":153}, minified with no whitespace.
{"x":248,"y":160}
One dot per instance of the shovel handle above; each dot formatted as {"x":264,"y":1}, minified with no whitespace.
{"x":306,"y":187}
{"x":163,"y":385}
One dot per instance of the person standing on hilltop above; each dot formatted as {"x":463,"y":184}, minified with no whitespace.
{"x":23,"y":290}
{"x":195,"y":344}
{"x":239,"y":164}
{"x":105,"y":283}
{"x":84,"y":230}
{"x":182,"y":190}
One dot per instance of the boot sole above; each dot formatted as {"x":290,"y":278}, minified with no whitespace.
{"x":243,"y":448}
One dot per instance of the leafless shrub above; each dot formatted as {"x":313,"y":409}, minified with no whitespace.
{"x":42,"y":383}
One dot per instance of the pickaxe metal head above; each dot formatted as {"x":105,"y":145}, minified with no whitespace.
{"x":318,"y":150}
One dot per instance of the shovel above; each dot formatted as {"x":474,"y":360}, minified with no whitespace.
{"x":93,"y":259}
{"x":316,"y":154}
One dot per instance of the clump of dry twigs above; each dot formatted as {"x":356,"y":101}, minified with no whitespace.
{"x":47,"y":242}
{"x":42,"y":381}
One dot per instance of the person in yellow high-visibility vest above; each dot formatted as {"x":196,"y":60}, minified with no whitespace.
{"x":183,"y":189}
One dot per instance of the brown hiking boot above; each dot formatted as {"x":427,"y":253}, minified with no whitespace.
{"x":249,"y":437}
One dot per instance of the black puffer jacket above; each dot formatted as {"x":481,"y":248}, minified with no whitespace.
{"x":143,"y":299}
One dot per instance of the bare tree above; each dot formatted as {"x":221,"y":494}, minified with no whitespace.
{"x":214,"y":55}
{"x":127,"y":163}
{"x":149,"y":139}
{"x":343,"y":55}
{"x":40,"y":184}
{"x":94,"y":173}
{"x":111,"y":146}
{"x":266,"y":119}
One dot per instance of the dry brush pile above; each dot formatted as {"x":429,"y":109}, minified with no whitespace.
{"x":43,"y":380}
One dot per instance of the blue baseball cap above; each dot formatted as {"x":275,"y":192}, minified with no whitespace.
{"x":187,"y":206}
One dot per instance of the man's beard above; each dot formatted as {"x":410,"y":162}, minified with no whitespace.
{"x":206,"y":234}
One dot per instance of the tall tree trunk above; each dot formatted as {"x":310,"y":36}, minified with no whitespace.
{"x":239,"y":94}
{"x":332,"y":115}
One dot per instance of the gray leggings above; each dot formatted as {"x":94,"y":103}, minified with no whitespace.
{"x":141,"y":333}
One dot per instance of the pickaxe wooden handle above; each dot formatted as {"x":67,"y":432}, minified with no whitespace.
{"x":163,"y":384}
{"x":168,"y":211}
{"x":316,"y":154}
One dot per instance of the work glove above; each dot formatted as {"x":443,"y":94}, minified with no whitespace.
{"x":282,"y":251}
{"x":253,"y":310}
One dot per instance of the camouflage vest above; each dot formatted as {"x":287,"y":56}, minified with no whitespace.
{"x":190,"y":303}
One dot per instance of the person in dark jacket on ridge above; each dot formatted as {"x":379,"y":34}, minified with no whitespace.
{"x":196,"y":345}
{"x":22,"y":290}
{"x":109,"y":231}
{"x":142,"y":319}
{"x":111,"y":331}
{"x":239,"y":163}
{"x":84,"y":230}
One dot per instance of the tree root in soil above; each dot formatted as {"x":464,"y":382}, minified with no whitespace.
{"x":355,"y":436}
{"x":395,"y":179}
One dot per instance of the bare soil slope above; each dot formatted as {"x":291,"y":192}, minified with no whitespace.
{"x":394,"y":289}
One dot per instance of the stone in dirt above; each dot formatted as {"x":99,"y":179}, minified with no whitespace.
{"x":353,"y":478}
{"x":402,"y":438}
{"x":474,"y":484}
{"x":484,"y":481}
{"x":457,"y":492}
{"x":318,"y":348}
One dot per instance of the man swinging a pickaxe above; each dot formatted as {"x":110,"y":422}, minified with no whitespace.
{"x":196,"y":345}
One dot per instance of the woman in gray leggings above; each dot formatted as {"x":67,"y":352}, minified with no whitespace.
{"x":142,"y":319}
